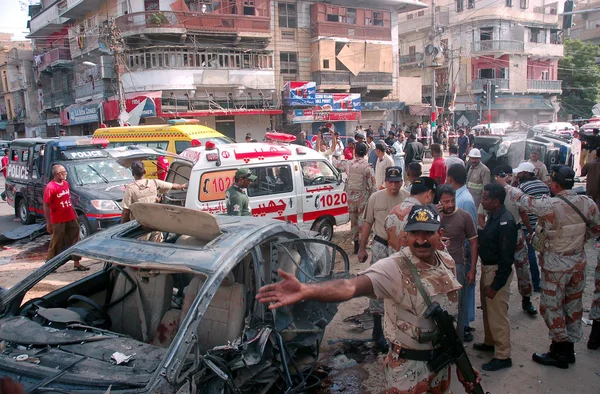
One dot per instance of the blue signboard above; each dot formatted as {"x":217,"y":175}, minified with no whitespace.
{"x":299,"y":93}
{"x":84,"y":114}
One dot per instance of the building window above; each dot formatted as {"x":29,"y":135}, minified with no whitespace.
{"x":487,"y":73}
{"x":471,"y":4}
{"x":504,"y":73}
{"x":486,"y":34}
{"x":378,"y":18}
{"x":420,"y":14}
{"x":509,"y":3}
{"x":351,"y":16}
{"x":249,"y":8}
{"x":555,"y":37}
{"x":409,"y":16}
{"x":545,"y":75}
{"x":288,"y":62}
{"x":537,"y":35}
{"x":333,"y":18}
{"x":287,"y":15}
{"x":460,"y":5}
{"x":444,"y":45}
{"x":326,"y":63}
{"x":524,"y":4}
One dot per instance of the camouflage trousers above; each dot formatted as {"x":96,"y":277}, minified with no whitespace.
{"x":378,"y":252}
{"x":413,"y":377}
{"x":561,"y":303}
{"x":595,"y":310}
{"x":522,"y":266}
{"x":356,"y":211}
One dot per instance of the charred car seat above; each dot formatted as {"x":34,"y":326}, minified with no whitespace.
{"x":139,"y":314}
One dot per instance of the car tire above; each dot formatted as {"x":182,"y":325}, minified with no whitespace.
{"x":324,"y":227}
{"x":85,"y":230}
{"x":23,"y":212}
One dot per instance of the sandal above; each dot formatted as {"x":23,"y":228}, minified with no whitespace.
{"x":81,"y":268}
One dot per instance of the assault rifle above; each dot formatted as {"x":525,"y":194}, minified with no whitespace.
{"x":453,"y":350}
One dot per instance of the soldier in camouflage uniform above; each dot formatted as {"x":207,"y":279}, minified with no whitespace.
{"x":391,"y":279}
{"x":563,"y":259}
{"x":359,"y":186}
{"x":478,"y":175}
{"x":594,"y":340}
{"x":236,"y":200}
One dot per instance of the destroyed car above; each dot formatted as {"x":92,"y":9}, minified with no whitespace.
{"x":172,"y":310}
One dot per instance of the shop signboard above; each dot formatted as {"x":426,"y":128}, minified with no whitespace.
{"x":297,"y":93}
{"x":81,"y":114}
{"x":338,"y":102}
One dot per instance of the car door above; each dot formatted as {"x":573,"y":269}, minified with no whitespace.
{"x":322,"y":194}
{"x":273,"y":194}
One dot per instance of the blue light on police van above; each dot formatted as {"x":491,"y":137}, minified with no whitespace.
{"x":173,"y":122}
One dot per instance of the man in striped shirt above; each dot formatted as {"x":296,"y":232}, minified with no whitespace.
{"x":530,"y":184}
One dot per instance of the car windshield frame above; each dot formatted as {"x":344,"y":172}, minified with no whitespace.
{"x":76,"y":170}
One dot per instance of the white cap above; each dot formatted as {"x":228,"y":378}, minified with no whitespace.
{"x":525,"y":167}
{"x":475,"y":153}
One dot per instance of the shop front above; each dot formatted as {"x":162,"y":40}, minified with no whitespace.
{"x":82,"y":119}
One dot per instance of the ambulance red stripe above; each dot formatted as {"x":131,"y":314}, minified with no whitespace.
{"x":308,"y":216}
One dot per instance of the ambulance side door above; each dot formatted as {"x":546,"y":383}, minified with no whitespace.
{"x":322,"y":192}
{"x":273,"y":194}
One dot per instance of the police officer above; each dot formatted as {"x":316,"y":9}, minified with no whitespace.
{"x":392,"y":279}
{"x":561,"y":233}
{"x":594,"y":340}
{"x":379,"y":205}
{"x":236,"y":200}
{"x":477,"y":176}
{"x":359,"y":186}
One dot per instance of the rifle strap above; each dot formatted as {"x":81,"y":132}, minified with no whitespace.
{"x":577,"y":210}
{"x":417,"y":280}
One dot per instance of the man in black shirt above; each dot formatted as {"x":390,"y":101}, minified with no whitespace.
{"x":413,"y":150}
{"x":497,"y":245}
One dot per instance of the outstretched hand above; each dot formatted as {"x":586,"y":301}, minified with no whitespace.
{"x":286,"y":292}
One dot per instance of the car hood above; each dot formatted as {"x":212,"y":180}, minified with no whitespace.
{"x":45,"y":350}
{"x":104,"y":191}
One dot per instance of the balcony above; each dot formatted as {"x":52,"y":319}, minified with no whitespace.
{"x":351,"y":31}
{"x":46,"y":22}
{"x":478,"y":85}
{"x":497,"y":46}
{"x":162,"y":22}
{"x":82,"y":43}
{"x":411,"y":59}
{"x":543,"y":86}
{"x":344,"y":79}
{"x":57,"y":99}
{"x":77,"y":9}
{"x":543,"y":51}
{"x":55,"y":57}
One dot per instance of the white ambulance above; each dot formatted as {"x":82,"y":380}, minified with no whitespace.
{"x":294,"y":183}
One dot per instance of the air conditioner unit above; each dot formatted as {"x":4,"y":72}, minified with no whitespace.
{"x":107,"y":67}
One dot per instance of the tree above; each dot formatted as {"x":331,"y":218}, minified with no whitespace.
{"x":580,"y":77}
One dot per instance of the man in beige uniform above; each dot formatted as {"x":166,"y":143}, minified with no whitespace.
{"x":541,"y":171}
{"x":477,"y":176}
{"x":391,"y":279}
{"x":143,"y":190}
{"x":379,"y":205}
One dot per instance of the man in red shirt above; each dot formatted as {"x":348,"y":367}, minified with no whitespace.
{"x":4,"y":165}
{"x":61,"y":219}
{"x":349,"y":150}
{"x":438,"y":168}
{"x":162,"y":167}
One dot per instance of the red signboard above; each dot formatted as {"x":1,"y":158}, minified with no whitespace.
{"x":322,"y":116}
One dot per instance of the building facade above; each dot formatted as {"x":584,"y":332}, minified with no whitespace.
{"x":513,"y":44}
{"x":586,"y":21}
{"x":224,"y":62}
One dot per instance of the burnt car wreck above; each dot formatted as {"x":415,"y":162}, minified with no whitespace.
{"x":172,"y":310}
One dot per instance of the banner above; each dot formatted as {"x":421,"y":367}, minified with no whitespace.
{"x":299,"y":93}
{"x":338,"y":102}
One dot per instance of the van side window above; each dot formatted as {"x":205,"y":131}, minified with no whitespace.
{"x":271,"y":180}
{"x":25,"y":156}
{"x":14,"y":155}
{"x":317,"y":172}
{"x":156,"y":144}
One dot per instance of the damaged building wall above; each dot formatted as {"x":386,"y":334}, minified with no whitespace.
{"x":355,"y":57}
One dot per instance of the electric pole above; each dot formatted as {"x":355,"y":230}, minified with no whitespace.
{"x":434,"y":32}
{"x":489,"y":104}
{"x":116,"y":44}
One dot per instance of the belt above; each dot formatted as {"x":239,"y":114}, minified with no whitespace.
{"x":382,"y":241}
{"x":419,"y":355}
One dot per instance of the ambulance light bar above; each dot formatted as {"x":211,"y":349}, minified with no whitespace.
{"x":280,"y":137}
{"x":183,"y":121}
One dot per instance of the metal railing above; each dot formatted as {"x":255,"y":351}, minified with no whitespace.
{"x":544,"y":85}
{"x":412,"y":58}
{"x":497,"y":46}
{"x":195,"y":21}
{"x":478,"y":85}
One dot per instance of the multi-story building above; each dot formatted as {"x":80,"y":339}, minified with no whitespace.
{"x":19,"y":108}
{"x":224,"y":62}
{"x":514,"y":44}
{"x":586,"y":21}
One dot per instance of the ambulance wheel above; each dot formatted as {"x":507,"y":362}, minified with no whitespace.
{"x":23,"y":210}
{"x":85,"y":230}
{"x":325,"y":228}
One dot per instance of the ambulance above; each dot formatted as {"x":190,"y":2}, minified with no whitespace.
{"x":294,"y":183}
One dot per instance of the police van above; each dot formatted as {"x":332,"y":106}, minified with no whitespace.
{"x":97,"y":181}
{"x":294,"y":183}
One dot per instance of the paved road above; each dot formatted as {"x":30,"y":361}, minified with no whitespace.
{"x":7,"y":214}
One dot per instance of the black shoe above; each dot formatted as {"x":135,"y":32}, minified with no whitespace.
{"x":554,"y":358}
{"x":570,"y":352}
{"x":594,"y":341}
{"x":356,"y":247}
{"x":496,"y":364}
{"x":468,"y":337}
{"x":482,"y":347}
{"x":528,"y":306}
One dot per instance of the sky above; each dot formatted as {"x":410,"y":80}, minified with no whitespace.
{"x":13,"y":17}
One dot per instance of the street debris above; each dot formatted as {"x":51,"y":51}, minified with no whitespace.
{"x":121,"y":358}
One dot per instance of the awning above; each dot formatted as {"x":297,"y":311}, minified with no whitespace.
{"x":81,"y":113}
{"x":422,"y":110}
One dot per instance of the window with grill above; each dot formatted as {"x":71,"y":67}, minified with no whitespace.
{"x":471,"y":4}
{"x":288,"y":62}
{"x":287,"y":15}
{"x":378,"y":18}
{"x":524,"y":4}
{"x":460,"y":5}
{"x":509,"y":3}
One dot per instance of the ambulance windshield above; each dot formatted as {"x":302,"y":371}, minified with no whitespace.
{"x":317,"y":172}
{"x":99,"y":171}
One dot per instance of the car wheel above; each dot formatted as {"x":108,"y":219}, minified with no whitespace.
{"x":23,"y":211}
{"x":85,"y":230}
{"x":325,"y":228}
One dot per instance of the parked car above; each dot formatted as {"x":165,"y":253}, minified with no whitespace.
{"x":172,"y":309}
{"x":494,"y":128}
{"x":563,"y":128}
